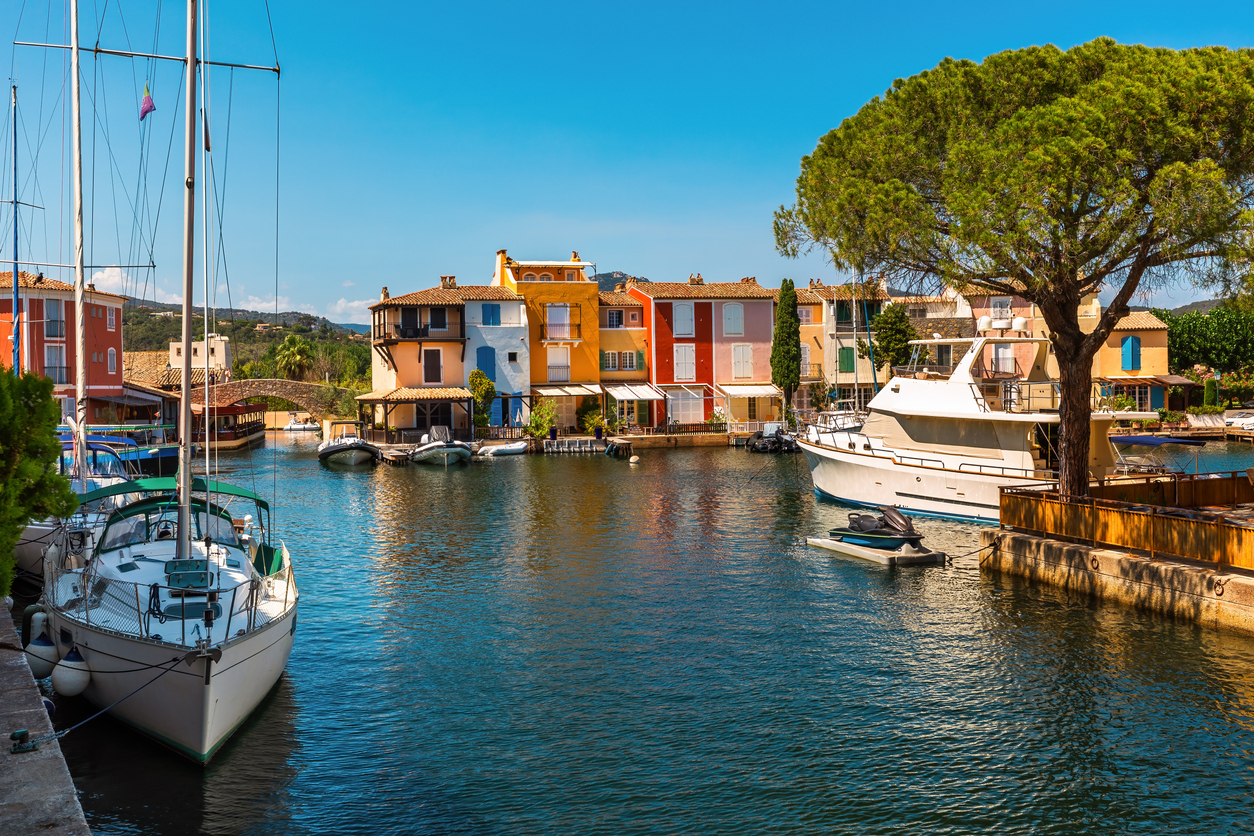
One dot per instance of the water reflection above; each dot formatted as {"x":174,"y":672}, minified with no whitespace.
{"x":574,"y":644}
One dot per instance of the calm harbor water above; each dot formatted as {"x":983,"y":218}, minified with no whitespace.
{"x":577,"y":645}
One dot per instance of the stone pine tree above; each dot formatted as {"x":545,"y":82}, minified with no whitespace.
{"x":1047,"y":175}
{"x":30,"y":487}
{"x":786,"y":343}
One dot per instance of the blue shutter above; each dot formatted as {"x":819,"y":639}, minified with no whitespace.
{"x":1156,"y":397}
{"x":485,"y":360}
{"x":1136,"y":353}
{"x":1125,"y":349}
{"x":491,"y":313}
{"x":1131,"y":350}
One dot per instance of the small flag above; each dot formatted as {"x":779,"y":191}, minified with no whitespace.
{"x":146,"y":106}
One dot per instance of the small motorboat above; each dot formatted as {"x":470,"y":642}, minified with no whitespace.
{"x":889,"y":538}
{"x":346,"y":446}
{"x":516,"y":448}
{"x":439,"y":448}
{"x":297,"y":425}
{"x":773,"y":442}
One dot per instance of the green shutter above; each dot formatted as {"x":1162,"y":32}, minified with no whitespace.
{"x":845,"y":356}
{"x":640,"y":361}
{"x":602,"y":361}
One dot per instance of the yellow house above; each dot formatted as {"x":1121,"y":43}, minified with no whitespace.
{"x":810,"y":312}
{"x":564,"y":340}
{"x":1133,"y":361}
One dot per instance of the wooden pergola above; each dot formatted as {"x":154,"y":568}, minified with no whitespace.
{"x":426,"y":402}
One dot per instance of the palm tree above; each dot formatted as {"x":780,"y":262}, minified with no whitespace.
{"x":294,"y":357}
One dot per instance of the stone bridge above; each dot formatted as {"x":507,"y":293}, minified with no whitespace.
{"x":318,"y":399}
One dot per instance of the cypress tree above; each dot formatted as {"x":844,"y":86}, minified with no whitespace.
{"x":786,"y":343}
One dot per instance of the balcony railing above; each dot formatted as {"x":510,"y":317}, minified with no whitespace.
{"x":561,"y":331}
{"x":411,"y":332}
{"x":811,"y":371}
{"x":559,"y":374}
{"x":57,"y":374}
{"x":54,"y":328}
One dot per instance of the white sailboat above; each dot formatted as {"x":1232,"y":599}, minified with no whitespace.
{"x":942,"y":442}
{"x":180,"y":616}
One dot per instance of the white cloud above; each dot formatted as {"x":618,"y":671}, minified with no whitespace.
{"x":266,"y":304}
{"x":115,"y":280}
{"x":346,"y":311}
{"x":347,"y":284}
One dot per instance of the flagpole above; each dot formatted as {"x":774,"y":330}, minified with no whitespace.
{"x":16,"y":318}
{"x":189,"y":265}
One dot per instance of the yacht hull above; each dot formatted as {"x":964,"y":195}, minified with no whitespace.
{"x":183,"y":710}
{"x":875,"y":480}
{"x":441,"y":453}
{"x":35,"y":539}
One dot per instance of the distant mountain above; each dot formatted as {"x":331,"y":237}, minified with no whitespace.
{"x":284,"y":318}
{"x":1202,"y":306}
{"x":607,"y":281}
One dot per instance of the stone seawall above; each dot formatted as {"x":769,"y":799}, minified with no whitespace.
{"x":1190,"y":591}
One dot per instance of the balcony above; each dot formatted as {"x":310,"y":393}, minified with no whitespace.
{"x":57,"y":374}
{"x":561,"y":331}
{"x":54,"y":328}
{"x":559,"y":374}
{"x":811,"y":371}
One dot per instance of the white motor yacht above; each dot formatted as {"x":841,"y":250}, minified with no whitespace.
{"x":298,"y":425}
{"x":942,"y":441}
{"x":346,"y":446}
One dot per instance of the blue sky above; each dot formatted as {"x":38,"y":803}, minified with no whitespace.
{"x":417,"y":139}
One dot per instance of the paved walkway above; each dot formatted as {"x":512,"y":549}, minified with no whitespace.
{"x":37,"y":794}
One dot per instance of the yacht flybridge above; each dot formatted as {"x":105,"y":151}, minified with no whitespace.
{"x":941,"y":439}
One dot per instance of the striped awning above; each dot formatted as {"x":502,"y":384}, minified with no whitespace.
{"x":575,"y":390}
{"x":750,"y":390}
{"x":634,"y":392}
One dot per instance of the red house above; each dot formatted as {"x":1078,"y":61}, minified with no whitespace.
{"x":48,"y":342}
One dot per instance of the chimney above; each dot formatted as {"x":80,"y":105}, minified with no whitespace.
{"x":749,"y":280}
{"x":574,"y":255}
{"x":695,"y":279}
{"x":620,"y":287}
{"x":383,"y":296}
{"x":447,"y":282}
{"x":498,"y":277}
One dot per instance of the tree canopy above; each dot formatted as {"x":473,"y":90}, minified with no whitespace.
{"x":1047,"y":175}
{"x":30,"y":487}
{"x":294,"y":357}
{"x":786,"y":343}
{"x":893,"y":333}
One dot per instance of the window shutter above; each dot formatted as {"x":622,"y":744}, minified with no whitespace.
{"x":1136,"y":353}
{"x":485,"y":359}
{"x":602,"y":361}
{"x":846,"y":359}
{"x":639,"y":361}
{"x":1156,"y":397}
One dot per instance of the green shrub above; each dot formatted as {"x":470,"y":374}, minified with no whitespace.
{"x":1212,"y":409}
{"x":1211,"y":398}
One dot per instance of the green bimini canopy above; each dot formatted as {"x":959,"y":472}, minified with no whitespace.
{"x":168,"y":484}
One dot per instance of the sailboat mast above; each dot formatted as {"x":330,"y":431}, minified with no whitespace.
{"x":17,"y":345}
{"x":80,"y":308}
{"x":189,"y":222}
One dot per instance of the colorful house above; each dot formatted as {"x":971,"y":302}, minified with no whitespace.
{"x":710,"y":348}
{"x":847,"y":312}
{"x":625,"y":358}
{"x":424,"y":351}
{"x":564,"y":337}
{"x":1133,"y":361}
{"x":48,"y":340}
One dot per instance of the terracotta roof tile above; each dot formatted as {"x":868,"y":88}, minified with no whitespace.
{"x":144,"y":366}
{"x":405,"y":393}
{"x":30,"y":281}
{"x":1140,"y":321}
{"x":707,"y":290}
{"x":868,"y":291}
{"x":805,"y":296}
{"x":618,"y":299}
{"x":452,"y":296}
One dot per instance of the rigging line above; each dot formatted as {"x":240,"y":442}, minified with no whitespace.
{"x":17,"y":28}
{"x":164,"y":179}
{"x":278,"y":93}
{"x":273,"y":45}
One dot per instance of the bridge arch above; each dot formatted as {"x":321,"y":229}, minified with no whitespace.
{"x":318,"y":399}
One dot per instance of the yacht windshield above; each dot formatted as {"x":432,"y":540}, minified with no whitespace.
{"x":100,"y":462}
{"x":153,"y":521}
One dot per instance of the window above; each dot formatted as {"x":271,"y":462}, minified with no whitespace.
{"x":683,"y":319}
{"x":511,"y":356}
{"x":1131,"y":346}
{"x":529,"y":277}
{"x":742,"y":361}
{"x":178,"y":351}
{"x":944,"y":355}
{"x":685,"y":362}
{"x":112,"y":318}
{"x":628,"y":361}
{"x":432,"y":365}
{"x":54,"y":364}
{"x":546,"y":277}
{"x":805,"y":359}
{"x":491,"y":313}
{"x":843,"y":312}
{"x":570,"y":275}
{"x":439,"y":319}
{"x":610,"y":364}
{"x":753,"y":409}
{"x":634,"y":317}
{"x":1001,"y":307}
{"x":845,"y":359}
{"x":53,"y":312}
{"x":559,"y":363}
{"x":1004,"y":358}
{"x":113,"y":358}
{"x":195,"y":351}
{"x":557,"y":326}
{"x":614,"y":319}
{"x":685,"y":407}
{"x":918,"y":313}
{"x":733,"y":319}
{"x":805,"y":315}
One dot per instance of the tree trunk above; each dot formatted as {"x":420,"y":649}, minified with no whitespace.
{"x":1075,"y":376}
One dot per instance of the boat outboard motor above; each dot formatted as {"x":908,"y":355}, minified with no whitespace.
{"x":896,"y":520}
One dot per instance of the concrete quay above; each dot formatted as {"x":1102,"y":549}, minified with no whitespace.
{"x":37,"y":794}
{"x":1190,"y":591}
